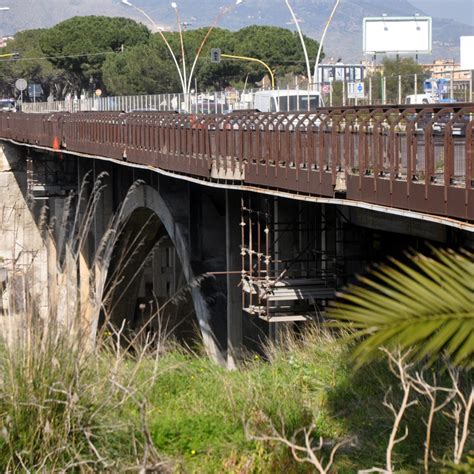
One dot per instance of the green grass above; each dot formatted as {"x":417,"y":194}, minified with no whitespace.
{"x":194,"y":411}
{"x":199,"y":411}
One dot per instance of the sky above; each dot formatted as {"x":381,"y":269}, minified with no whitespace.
{"x":461,"y":10}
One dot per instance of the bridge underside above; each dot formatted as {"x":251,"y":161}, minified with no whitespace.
{"x":238,"y":264}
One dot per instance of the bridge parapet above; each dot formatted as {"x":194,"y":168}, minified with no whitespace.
{"x":417,"y":158}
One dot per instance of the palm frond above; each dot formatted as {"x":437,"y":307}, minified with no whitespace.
{"x":427,"y":306}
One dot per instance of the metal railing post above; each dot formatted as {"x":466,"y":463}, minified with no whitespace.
{"x":399,"y":89}
{"x":451,"y":92}
{"x":470,"y":85}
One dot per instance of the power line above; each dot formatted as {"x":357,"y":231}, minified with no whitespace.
{"x":105,"y":53}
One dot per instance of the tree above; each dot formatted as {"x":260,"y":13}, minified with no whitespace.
{"x":81,"y":45}
{"x":404,"y":67}
{"x":278,"y":47}
{"x":122,"y":57}
{"x":140,"y":70}
{"x":427,"y":306}
{"x":207,"y":74}
{"x":35,"y":70}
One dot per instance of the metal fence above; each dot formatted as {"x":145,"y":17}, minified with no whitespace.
{"x":203,"y":103}
{"x":377,"y":91}
{"x":418,"y":158}
{"x":220,"y":102}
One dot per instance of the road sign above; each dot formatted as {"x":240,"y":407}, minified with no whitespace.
{"x":326,"y":89}
{"x":215,"y":55}
{"x":356,"y":90}
{"x":98,"y":92}
{"x":21,"y":84}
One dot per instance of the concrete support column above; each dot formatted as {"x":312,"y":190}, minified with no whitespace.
{"x":234,"y":293}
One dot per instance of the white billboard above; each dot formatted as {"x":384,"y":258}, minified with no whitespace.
{"x":390,"y":34}
{"x":467,"y":52}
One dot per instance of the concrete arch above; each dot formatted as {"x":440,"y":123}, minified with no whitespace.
{"x":143,"y":197}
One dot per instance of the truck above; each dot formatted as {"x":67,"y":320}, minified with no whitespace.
{"x":435,"y":91}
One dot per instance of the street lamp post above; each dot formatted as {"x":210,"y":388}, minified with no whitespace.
{"x":186,"y":81}
{"x":163,"y":37}
{"x":316,"y":64}
{"x":224,"y":12}
{"x":303,"y":44}
{"x":174,"y":6}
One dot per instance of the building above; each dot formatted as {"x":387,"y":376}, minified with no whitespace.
{"x":4,"y":40}
{"x":446,"y":68}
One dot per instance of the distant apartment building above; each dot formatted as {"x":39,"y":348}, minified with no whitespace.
{"x":372,"y":67}
{"x":447,"y":68}
{"x":4,"y":40}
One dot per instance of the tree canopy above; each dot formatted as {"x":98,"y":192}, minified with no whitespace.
{"x":280,"y":48}
{"x":123,"y":57}
{"x":79,"y":45}
{"x":404,"y":67}
{"x":140,"y":70}
{"x":38,"y":71}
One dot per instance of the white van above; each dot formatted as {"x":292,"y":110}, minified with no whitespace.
{"x":419,"y":99}
{"x":287,"y":101}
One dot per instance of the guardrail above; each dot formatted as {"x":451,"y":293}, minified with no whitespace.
{"x":414,"y":158}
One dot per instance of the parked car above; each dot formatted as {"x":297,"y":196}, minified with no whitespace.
{"x":8,"y":105}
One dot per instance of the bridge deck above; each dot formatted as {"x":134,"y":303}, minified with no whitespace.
{"x":413,"y":158}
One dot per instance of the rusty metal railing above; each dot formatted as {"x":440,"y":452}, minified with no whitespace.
{"x":417,"y":158}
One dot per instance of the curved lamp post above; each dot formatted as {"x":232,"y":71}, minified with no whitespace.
{"x":174,"y":6}
{"x":224,"y":12}
{"x":316,"y":64}
{"x":163,"y":37}
{"x":303,"y":44}
{"x":186,"y":81}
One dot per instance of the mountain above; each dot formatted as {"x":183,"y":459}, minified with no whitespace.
{"x":344,"y":37}
{"x":460,"y":10}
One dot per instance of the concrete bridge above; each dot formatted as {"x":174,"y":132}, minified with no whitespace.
{"x":263,"y":216}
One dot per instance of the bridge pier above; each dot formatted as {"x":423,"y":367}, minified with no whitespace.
{"x":23,"y":256}
{"x":180,"y":233}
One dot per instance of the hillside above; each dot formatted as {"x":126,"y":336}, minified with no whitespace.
{"x":344,"y":39}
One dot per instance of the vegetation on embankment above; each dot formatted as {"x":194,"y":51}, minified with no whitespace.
{"x":179,"y":412}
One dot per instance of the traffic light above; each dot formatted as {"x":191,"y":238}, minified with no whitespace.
{"x":215,"y":55}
